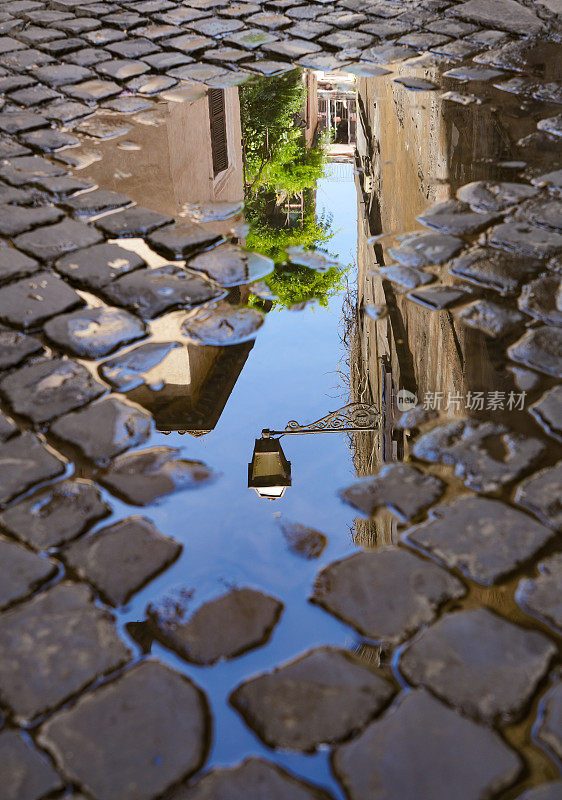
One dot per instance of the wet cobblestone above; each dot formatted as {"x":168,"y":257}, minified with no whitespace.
{"x":36,"y":639}
{"x":200,"y":637}
{"x":120,"y":559}
{"x":370,"y":609}
{"x":62,"y":63}
{"x":28,"y":774}
{"x":487,"y":766}
{"x":549,"y":728}
{"x":253,"y":775}
{"x":320,"y":698}
{"x":491,"y":679}
{"x":154,"y":708}
{"x":494,"y":538}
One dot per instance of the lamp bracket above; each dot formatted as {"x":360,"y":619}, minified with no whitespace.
{"x":352,"y":417}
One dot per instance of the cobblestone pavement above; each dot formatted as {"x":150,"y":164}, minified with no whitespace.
{"x":84,"y":714}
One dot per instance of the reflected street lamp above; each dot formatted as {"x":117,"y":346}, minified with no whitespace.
{"x":269,"y":472}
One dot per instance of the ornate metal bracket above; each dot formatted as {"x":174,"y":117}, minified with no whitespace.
{"x":353,"y":417}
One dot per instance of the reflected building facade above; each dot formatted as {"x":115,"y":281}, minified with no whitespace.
{"x":191,"y":152}
{"x":414,"y":149}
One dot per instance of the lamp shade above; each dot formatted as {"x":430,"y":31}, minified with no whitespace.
{"x":269,"y":472}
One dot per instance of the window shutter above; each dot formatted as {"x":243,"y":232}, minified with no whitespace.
{"x":217,"y":117}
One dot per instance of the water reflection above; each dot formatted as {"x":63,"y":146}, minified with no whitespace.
{"x":414,"y":149}
{"x":405,"y":150}
{"x":269,"y":472}
{"x":267,"y":144}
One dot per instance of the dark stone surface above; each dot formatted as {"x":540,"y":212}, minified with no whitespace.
{"x":122,"y":68}
{"x":34,"y":95}
{"x":490,"y":318}
{"x":59,"y":187}
{"x":52,"y":241}
{"x":130,"y":732}
{"x":423,"y":85}
{"x":24,"y":461}
{"x":11,"y":194}
{"x":253,"y":779}
{"x":303,"y":541}
{"x":126,"y":372}
{"x":97,"y":266}
{"x":494,"y":269}
{"x":19,"y":121}
{"x":55,"y":515}
{"x":222,"y":324}
{"x":546,"y":791}
{"x":525,"y":379}
{"x":62,"y":74}
{"x":104,"y":428}
{"x":47,"y":388}
{"x":505,"y":14}
{"x":99,"y":201}
{"x":466,"y":444}
{"x":541,"y":495}
{"x":231,"y":266}
{"x":15,"y":346}
{"x":222,"y":628}
{"x":385,"y":595}
{"x":549,"y":726}
{"x":100,"y":128}
{"x":146,"y":475}
{"x":529,"y":240}
{"x":155,"y":291}
{"x":93,"y":90}
{"x":28,"y":302}
{"x":485,"y":539}
{"x":17,"y":219}
{"x":495,"y":196}
{"x":37,"y":639}
{"x":14,"y":264}
{"x":400,"y":487}
{"x":7,"y":427}
{"x":439,"y":296}
{"x":452,"y":216}
{"x":548,"y":412}
{"x":540,"y":299}
{"x":424,"y":249}
{"x":180,"y":241}
{"x":49,"y":140}
{"x":10,"y":148}
{"x":21,"y":571}
{"x":122,"y":558}
{"x":477,"y":661}
{"x":134,"y":221}
{"x":421,"y":749}
{"x":94,"y":332}
{"x":27,"y":773}
{"x":540,"y":596}
{"x":322,"y":697}
{"x":406,"y":276}
{"x":26,"y":170}
{"x":540,"y":349}
{"x":546,"y":213}
{"x":21,"y":61}
{"x":66,"y":111}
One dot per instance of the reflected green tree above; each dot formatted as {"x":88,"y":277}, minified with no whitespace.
{"x":280,"y":177}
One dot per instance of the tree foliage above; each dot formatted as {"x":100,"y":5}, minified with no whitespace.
{"x":279,"y":166}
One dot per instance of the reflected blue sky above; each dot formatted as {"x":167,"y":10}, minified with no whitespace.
{"x":229,"y":534}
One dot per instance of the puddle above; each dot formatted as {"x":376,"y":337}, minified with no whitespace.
{"x":323,"y":174}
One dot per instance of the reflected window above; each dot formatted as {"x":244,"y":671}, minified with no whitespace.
{"x":217,"y":118}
